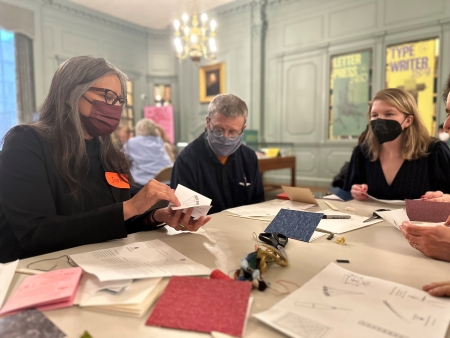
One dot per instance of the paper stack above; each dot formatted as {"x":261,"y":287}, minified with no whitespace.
{"x":47,"y":291}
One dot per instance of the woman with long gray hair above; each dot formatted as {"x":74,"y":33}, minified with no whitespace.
{"x":62,"y":181}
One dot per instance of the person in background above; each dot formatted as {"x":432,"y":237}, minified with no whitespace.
{"x":167,"y":144}
{"x":217,"y":164}
{"x":62,"y":181}
{"x":443,"y":136}
{"x":122,"y":135}
{"x":146,"y":154}
{"x":398,"y":159}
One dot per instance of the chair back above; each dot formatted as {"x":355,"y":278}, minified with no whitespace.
{"x":164,"y":175}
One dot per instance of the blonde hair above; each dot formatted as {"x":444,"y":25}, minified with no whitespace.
{"x":146,"y":127}
{"x":415,"y":138}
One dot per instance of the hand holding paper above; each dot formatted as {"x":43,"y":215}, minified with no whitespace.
{"x":191,"y":199}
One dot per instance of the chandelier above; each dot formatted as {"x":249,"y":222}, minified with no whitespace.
{"x":194,"y":39}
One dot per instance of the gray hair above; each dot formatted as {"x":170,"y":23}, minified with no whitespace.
{"x":146,"y":127}
{"x":228,"y":105}
{"x":60,"y":124}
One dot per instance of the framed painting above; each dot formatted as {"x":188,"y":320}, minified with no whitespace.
{"x":211,"y":81}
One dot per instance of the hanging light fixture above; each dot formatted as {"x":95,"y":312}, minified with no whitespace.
{"x":195,"y":39}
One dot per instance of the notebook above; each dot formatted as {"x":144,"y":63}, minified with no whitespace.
{"x":203,"y":305}
{"x":425,"y":211}
{"x":29,"y":323}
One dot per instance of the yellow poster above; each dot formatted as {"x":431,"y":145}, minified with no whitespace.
{"x":411,"y":66}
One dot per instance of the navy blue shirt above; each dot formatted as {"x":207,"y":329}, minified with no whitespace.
{"x":414,"y":178}
{"x":237,"y":182}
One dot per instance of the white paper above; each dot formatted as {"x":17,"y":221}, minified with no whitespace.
{"x":6,"y":275}
{"x":340,"y":303}
{"x":135,"y":293}
{"x":138,"y":260}
{"x":332,"y":197}
{"x":270,"y":208}
{"x":191,"y":199}
{"x":398,"y":202}
{"x":394,"y":217}
{"x":316,"y":235}
{"x":339,"y":226}
{"x":90,"y":285}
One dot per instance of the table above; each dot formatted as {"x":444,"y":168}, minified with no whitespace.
{"x":379,"y":250}
{"x":273,"y":163}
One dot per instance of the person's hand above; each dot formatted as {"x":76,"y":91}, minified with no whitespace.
{"x":438,"y":289}
{"x":179,"y":220}
{"x":359,"y":191}
{"x":151,"y":193}
{"x":432,"y":241}
{"x":436,"y":196}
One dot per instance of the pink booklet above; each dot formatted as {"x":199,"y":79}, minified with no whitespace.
{"x":47,"y":291}
{"x":425,"y":211}
{"x":204,"y":305}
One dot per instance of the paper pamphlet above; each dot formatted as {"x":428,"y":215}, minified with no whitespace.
{"x":47,"y":291}
{"x":191,"y":199}
{"x":300,"y":194}
{"x":398,"y":202}
{"x":6,"y":275}
{"x":339,"y":226}
{"x":203,"y":305}
{"x":270,"y":208}
{"x":340,"y":303}
{"x":138,"y":260}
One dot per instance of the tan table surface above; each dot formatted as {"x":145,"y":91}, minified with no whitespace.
{"x":379,"y":250}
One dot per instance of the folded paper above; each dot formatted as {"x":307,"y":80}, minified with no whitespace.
{"x":191,"y":199}
{"x":425,"y":211}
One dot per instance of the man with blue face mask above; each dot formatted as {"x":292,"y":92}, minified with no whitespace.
{"x":217,"y":164}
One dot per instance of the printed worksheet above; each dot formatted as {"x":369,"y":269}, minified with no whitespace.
{"x":340,"y":303}
{"x":138,"y":260}
{"x":270,"y":208}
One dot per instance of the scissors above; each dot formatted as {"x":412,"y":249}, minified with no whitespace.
{"x":275,"y":239}
{"x":375,"y":215}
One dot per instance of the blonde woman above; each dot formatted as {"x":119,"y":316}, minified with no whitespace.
{"x":398,"y":159}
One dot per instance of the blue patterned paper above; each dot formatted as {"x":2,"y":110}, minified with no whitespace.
{"x":295,"y":224}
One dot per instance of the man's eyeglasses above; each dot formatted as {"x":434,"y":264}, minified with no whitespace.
{"x":219,"y":132}
{"x":110,"y":96}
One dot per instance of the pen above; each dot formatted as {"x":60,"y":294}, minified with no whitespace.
{"x":336,"y":216}
{"x":245,"y":180}
{"x":27,"y":271}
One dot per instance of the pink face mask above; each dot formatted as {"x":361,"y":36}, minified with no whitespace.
{"x":103,"y":120}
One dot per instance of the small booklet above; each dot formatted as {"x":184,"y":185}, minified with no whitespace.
{"x":204,"y":305}
{"x":47,"y":291}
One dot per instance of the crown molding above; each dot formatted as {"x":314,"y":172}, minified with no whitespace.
{"x":95,"y":16}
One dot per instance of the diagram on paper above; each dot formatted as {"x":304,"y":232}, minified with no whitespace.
{"x":332,"y":292}
{"x":302,"y":326}
{"x":191,"y":202}
{"x":380,"y":329}
{"x":318,"y":306}
{"x":355,"y":280}
{"x":401,"y":293}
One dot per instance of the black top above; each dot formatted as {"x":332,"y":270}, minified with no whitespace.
{"x":413,"y":179}
{"x":236,"y":183}
{"x":37,"y":214}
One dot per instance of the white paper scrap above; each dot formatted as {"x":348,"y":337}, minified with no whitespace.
{"x":6,"y":275}
{"x":191,"y":199}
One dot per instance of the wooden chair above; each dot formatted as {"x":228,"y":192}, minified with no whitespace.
{"x":164,"y":175}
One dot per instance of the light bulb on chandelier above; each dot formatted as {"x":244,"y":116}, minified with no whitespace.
{"x":195,"y":39}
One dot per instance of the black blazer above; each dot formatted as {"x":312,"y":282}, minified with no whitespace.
{"x":37,"y":214}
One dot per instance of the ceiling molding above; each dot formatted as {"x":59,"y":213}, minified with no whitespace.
{"x":96,"y":16}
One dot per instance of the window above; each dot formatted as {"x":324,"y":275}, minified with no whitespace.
{"x":162,"y":95}
{"x":8,"y":94}
{"x":350,"y":90}
{"x":413,"y":66}
{"x":128,"y":111}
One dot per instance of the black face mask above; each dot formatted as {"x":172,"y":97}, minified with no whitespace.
{"x":386,"y":130}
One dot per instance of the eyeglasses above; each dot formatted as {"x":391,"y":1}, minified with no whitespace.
{"x":110,"y":96}
{"x":219,"y":132}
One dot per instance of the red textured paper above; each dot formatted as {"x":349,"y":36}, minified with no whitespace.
{"x":203,"y":305}
{"x":424,"y":211}
{"x":283,"y":196}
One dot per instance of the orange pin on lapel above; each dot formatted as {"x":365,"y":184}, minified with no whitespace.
{"x":117,"y":181}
